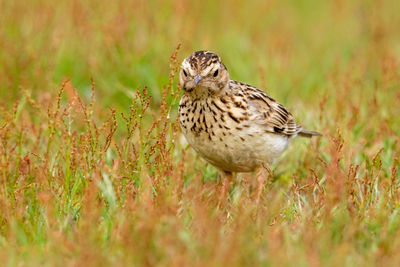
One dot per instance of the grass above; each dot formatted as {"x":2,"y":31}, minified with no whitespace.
{"x":94,"y":169}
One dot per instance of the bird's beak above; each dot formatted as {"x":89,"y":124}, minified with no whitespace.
{"x":197,"y":79}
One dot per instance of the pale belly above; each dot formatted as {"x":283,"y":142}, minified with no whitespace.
{"x":238,"y":151}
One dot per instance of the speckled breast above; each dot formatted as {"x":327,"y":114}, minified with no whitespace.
{"x":219,"y":141}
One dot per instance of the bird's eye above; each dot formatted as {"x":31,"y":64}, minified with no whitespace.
{"x":184,"y":72}
{"x":215,"y":73}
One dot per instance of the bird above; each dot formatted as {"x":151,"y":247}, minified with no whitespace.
{"x":234,"y":126}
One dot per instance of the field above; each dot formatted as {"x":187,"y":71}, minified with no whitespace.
{"x":94,"y":170}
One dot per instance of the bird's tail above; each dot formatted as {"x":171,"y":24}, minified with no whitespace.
{"x":308,"y":133}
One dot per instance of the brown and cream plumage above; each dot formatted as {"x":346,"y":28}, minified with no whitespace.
{"x":234,"y":126}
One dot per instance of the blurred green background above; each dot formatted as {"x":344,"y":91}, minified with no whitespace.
{"x":286,"y":47}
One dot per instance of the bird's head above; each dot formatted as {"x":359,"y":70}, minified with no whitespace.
{"x":204,"y":72}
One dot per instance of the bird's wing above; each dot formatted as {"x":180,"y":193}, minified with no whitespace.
{"x":270,"y":114}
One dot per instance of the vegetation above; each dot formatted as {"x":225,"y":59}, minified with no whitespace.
{"x":94,"y":169}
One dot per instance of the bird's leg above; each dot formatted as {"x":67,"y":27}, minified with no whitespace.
{"x":261,"y":175}
{"x":226,"y":178}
